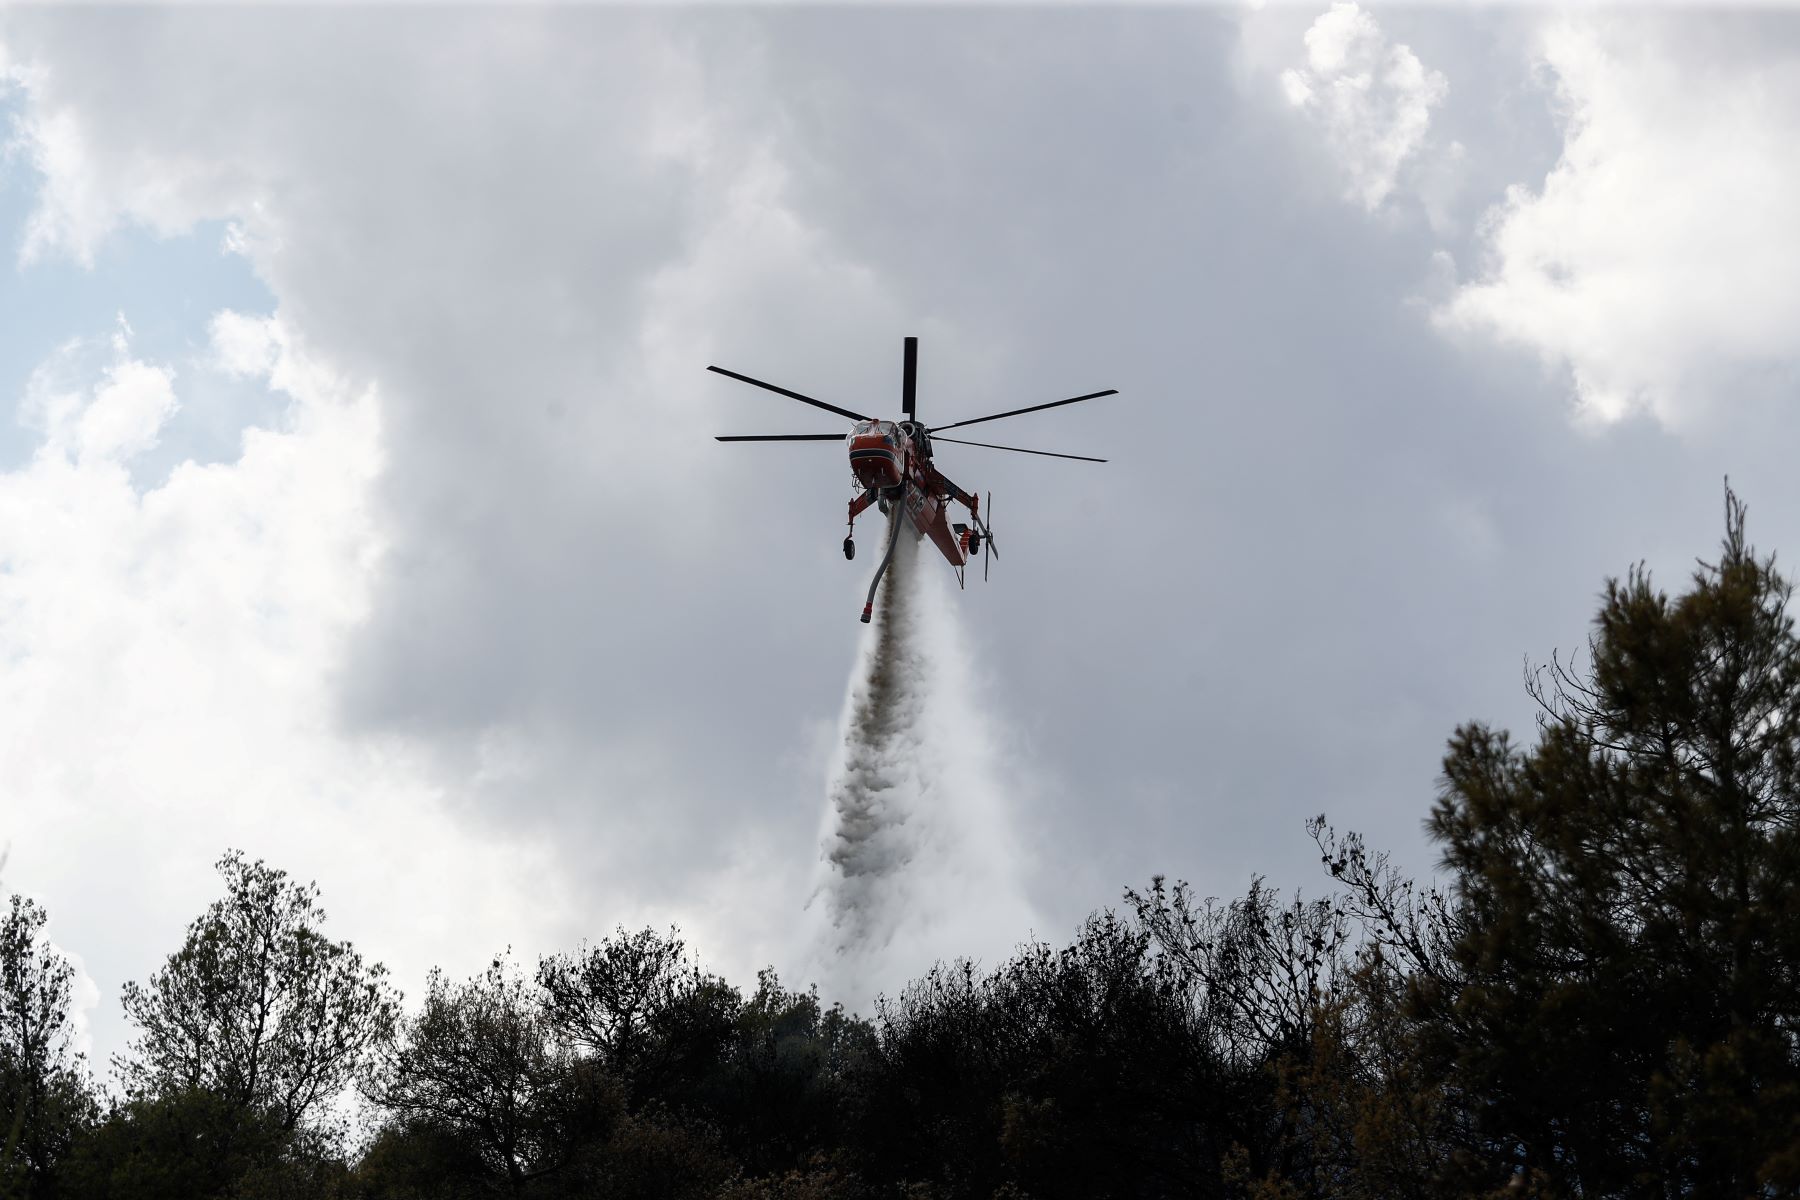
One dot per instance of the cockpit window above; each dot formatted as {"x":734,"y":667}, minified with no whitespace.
{"x":886,"y":430}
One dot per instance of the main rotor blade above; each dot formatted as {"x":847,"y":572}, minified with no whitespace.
{"x":1034,"y":408}
{"x":781,"y":391}
{"x":909,"y":379}
{"x":782,"y":437}
{"x":1017,"y":449}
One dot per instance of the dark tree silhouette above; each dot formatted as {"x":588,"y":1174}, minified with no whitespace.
{"x":1628,"y":894}
{"x":782,"y":1086}
{"x":257,"y":1007}
{"x":1072,"y":1072}
{"x":1600,"y":997}
{"x":603,"y":997}
{"x":479,"y":1070}
{"x":195,"y":1144}
{"x":45,"y":1096}
{"x":644,"y":1012}
{"x":245,"y":1037}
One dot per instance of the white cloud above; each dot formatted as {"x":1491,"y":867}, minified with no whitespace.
{"x":1371,"y":98}
{"x":84,"y":1001}
{"x":98,"y":412}
{"x":89,"y":188}
{"x":244,"y":345}
{"x":1659,"y":261}
{"x":470,"y":601}
{"x":169,"y":658}
{"x":128,"y":408}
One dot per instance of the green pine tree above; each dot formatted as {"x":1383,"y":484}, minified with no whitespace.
{"x":1624,"y":1015}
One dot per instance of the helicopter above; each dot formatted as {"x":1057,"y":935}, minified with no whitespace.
{"x":891,"y":463}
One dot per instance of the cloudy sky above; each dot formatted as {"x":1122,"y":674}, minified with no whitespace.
{"x":359,"y":507}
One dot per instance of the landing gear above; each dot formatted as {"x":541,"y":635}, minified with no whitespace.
{"x":974,"y":543}
{"x":849,"y":548}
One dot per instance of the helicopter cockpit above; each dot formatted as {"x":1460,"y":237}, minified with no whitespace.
{"x":877,"y":450}
{"x":887,"y":431}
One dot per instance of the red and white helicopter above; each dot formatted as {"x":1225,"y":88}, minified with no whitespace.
{"x":892,"y":464}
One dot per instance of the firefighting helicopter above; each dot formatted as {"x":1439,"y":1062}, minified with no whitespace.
{"x":891,"y":463}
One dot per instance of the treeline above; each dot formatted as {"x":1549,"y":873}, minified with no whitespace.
{"x":1600,"y":999}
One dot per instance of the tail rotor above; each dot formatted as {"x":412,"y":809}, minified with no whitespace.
{"x":987,"y":540}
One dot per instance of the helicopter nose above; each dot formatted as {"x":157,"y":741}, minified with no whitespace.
{"x":875,"y":468}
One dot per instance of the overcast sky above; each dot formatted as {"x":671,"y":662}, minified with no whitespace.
{"x":359,"y":505}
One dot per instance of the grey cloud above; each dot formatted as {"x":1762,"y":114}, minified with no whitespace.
{"x":1327,"y":534}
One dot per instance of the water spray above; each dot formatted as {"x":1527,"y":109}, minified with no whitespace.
{"x":920,"y":859}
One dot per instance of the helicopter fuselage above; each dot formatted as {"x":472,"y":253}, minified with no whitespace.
{"x":886,"y":454}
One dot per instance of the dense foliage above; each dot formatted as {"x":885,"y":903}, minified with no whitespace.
{"x":1600,"y":998}
{"x":257,"y":1007}
{"x":45,"y":1096}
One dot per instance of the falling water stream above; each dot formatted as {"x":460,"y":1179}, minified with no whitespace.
{"x":921,"y":857}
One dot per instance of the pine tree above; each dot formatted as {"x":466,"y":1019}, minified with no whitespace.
{"x":1628,"y":902}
